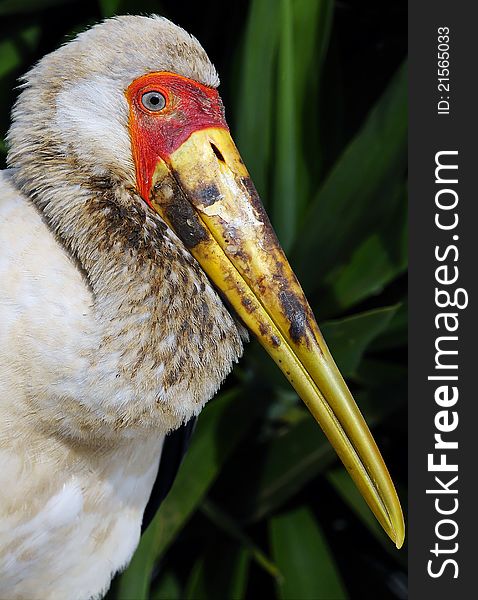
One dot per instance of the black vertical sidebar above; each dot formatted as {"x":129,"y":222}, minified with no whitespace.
{"x":443,"y":543}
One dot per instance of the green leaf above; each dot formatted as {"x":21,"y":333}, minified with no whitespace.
{"x":285,"y":207}
{"x":109,"y":7}
{"x":221,"y":572}
{"x":340,"y":480}
{"x":275,"y":99}
{"x":275,"y":470}
{"x":14,"y":7}
{"x":3,"y":147}
{"x":168,"y":588}
{"x":303,"y":42}
{"x":12,"y":50}
{"x":376,"y":373}
{"x":377,"y":261}
{"x":256,"y":90}
{"x":281,"y":467}
{"x":302,"y":553}
{"x":118,"y":7}
{"x":349,"y":338}
{"x":396,"y":334}
{"x":11,"y":58}
{"x":312,"y":24}
{"x":220,"y":428}
{"x":356,"y":196}
{"x":224,"y":522}
{"x":278,"y":469}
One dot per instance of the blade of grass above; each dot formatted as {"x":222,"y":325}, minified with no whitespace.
{"x":255,"y":95}
{"x":303,"y":42}
{"x":373,"y":373}
{"x":286,"y":463}
{"x":356,"y":195}
{"x":168,"y":588}
{"x":118,"y":7}
{"x":220,"y":572}
{"x":227,"y":524}
{"x":312,"y":24}
{"x":109,"y":7}
{"x":349,"y":338}
{"x":14,"y":7}
{"x":12,"y":50}
{"x":396,"y":334}
{"x":374,"y":264}
{"x":11,"y":58}
{"x":285,"y":207}
{"x":303,"y":555}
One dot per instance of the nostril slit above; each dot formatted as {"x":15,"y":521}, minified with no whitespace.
{"x":217,"y":152}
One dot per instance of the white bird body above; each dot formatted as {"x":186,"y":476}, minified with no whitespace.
{"x":111,"y":335}
{"x":87,"y":500}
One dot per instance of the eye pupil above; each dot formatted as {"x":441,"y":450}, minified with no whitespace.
{"x":154,"y":101}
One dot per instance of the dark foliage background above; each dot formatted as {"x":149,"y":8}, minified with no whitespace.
{"x":315,"y":93}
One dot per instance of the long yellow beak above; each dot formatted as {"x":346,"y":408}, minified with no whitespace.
{"x":205,"y":194}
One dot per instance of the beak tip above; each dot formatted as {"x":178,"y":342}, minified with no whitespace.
{"x":397,"y":532}
{"x":400,"y":537}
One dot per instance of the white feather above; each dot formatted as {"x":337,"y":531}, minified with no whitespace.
{"x":83,"y":407}
{"x":52,"y":495}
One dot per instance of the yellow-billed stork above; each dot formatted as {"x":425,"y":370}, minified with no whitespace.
{"x":127,"y":217}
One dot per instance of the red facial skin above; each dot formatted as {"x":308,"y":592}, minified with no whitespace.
{"x":190,"y":106}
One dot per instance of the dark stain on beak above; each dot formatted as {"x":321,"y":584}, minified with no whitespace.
{"x":208,"y":194}
{"x":275,"y":341}
{"x":252,"y":193}
{"x":186,"y":223}
{"x":295,"y":313}
{"x":270,"y":239}
{"x":182,"y":217}
{"x":248,"y":305}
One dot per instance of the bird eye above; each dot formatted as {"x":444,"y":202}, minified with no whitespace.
{"x":154,"y":101}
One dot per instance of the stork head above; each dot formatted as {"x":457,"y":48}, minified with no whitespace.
{"x":134,"y":100}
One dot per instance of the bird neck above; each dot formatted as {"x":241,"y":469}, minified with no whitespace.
{"x":122,"y":247}
{"x":163,"y":340}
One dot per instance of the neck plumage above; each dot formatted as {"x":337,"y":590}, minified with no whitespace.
{"x":155,"y":308}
